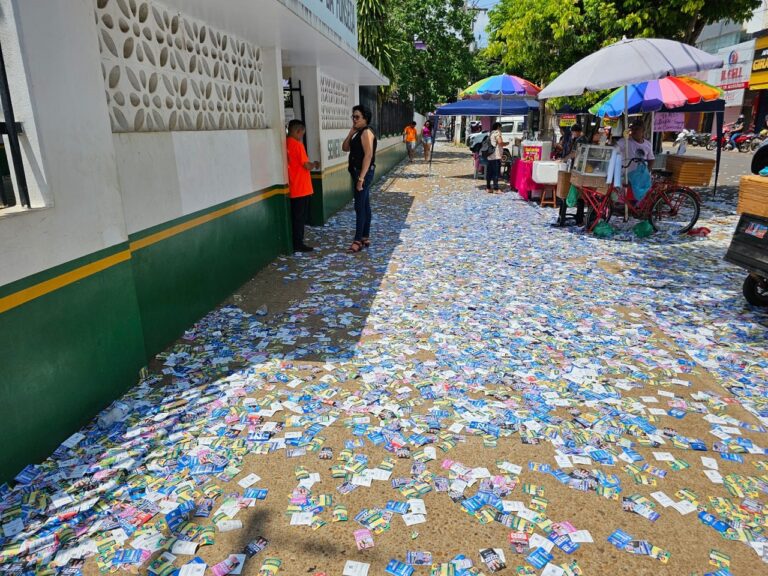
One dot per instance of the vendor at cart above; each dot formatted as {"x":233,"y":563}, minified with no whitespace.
{"x":570,"y":148}
{"x":638,"y":173}
{"x":570,"y":144}
{"x":639,"y":147}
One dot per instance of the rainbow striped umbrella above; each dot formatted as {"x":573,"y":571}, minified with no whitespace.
{"x":500,"y":85}
{"x":652,"y":96}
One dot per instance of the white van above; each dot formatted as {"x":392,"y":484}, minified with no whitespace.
{"x":512,"y":127}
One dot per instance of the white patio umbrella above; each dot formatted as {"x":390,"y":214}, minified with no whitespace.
{"x":628,"y":62}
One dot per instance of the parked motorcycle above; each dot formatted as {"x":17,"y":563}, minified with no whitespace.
{"x":744,"y":142}
{"x":701,"y":139}
{"x":725,"y":142}
{"x":758,"y":139}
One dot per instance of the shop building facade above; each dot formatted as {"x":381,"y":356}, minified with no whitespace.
{"x":153,"y":147}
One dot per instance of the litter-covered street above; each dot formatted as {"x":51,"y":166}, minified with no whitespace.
{"x":477,"y":391}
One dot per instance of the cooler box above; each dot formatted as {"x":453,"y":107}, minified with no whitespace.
{"x":749,"y":246}
{"x":545,"y":172}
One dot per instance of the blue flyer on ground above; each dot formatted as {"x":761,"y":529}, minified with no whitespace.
{"x":397,"y":568}
{"x":620,"y":539}
{"x":539,"y":558}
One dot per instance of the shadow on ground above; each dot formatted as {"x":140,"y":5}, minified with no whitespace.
{"x":318,"y":303}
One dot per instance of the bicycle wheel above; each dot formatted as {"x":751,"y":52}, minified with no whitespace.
{"x":592,"y":215}
{"x":675,"y":211}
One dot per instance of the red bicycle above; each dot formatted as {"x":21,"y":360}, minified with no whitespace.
{"x":669,"y":207}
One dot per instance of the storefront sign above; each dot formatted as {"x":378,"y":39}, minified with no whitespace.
{"x":759,"y":78}
{"x":610,"y":122}
{"x":668,"y":122}
{"x":734,"y":76}
{"x":339,"y":15}
{"x":567,"y":120}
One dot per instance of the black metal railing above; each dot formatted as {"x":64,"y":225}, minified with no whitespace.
{"x":390,"y":117}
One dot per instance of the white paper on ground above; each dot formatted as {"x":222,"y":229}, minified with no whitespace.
{"x":411,"y":519}
{"x":581,"y":536}
{"x":352,"y":568}
{"x":662,"y":499}
{"x":184,"y":547}
{"x":193,"y":570}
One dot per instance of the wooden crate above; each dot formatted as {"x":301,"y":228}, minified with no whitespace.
{"x":753,"y":196}
{"x":690,"y":170}
{"x":580,"y":180}
{"x":563,"y":184}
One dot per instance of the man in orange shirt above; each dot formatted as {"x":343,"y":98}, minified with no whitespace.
{"x":409,"y":137}
{"x":299,"y":182}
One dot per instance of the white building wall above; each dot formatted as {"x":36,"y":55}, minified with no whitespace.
{"x":52,"y":57}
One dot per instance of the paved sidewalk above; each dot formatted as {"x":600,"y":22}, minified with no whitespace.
{"x":475,"y":373}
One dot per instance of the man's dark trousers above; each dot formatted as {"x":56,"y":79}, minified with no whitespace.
{"x":299,"y":216}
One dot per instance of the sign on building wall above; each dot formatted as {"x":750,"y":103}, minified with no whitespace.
{"x":759,"y":78}
{"x":733,"y":77}
{"x":339,"y":15}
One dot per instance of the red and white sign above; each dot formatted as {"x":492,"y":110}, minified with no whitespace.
{"x":733,"y":77}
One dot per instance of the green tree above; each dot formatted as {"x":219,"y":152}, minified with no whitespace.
{"x":539,"y":39}
{"x":387,"y":31}
{"x":378,"y":39}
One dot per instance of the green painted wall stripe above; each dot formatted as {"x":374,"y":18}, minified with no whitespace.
{"x":51,"y":273}
{"x":68,"y":355}
{"x":33,"y":286}
{"x":182,"y":219}
{"x":183,"y":277}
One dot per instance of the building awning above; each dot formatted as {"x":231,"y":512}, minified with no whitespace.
{"x":305,"y":33}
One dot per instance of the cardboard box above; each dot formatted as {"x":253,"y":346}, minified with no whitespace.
{"x":690,"y":170}
{"x":563,"y":184}
{"x":581,"y":180}
{"x":753,"y":196}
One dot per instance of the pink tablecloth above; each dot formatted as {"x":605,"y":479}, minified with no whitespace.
{"x":520,"y":178}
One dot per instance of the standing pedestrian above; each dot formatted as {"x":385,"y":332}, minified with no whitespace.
{"x":426,"y":139}
{"x":410,"y":138}
{"x":361,"y":145}
{"x":493,"y":169}
{"x":299,"y":182}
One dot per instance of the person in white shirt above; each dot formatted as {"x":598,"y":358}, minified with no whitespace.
{"x":639,"y":147}
{"x":493,"y":169}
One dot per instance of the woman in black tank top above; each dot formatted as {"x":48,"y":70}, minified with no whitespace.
{"x":361,"y":145}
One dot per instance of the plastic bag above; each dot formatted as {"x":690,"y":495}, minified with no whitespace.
{"x":640,"y":180}
{"x":603,"y":230}
{"x":573,"y":196}
{"x":643,"y":229}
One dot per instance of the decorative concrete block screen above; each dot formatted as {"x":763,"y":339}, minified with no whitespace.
{"x":165,"y":71}
{"x":335,"y":103}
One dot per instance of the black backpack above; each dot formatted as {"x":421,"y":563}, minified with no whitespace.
{"x":486,"y":148}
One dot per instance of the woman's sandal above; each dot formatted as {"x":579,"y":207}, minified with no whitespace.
{"x":366,"y":242}
{"x":355,"y":247}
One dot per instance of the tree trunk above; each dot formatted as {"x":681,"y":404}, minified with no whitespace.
{"x":694,"y":29}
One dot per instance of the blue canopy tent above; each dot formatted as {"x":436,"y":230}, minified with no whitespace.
{"x":507,"y":107}
{"x":488,"y":107}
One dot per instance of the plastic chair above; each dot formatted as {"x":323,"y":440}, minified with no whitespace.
{"x":480,"y":164}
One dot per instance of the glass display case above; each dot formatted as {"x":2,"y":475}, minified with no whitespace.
{"x":592,"y":160}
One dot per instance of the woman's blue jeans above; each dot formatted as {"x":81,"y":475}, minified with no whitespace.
{"x":363,"y":211}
